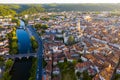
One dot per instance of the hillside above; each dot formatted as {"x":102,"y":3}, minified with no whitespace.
{"x":21,"y":9}
{"x":31,"y":9}
{"x":5,"y":10}
{"x":81,"y":7}
{"x":35,"y":8}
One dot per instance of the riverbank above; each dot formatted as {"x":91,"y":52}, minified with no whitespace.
{"x":39,"y":52}
{"x":33,"y":69}
{"x":21,"y":67}
{"x":13,"y":42}
{"x":34,"y":43}
{"x":25,"y":68}
{"x":8,"y":66}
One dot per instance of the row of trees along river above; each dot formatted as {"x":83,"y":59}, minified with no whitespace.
{"x":21,"y":67}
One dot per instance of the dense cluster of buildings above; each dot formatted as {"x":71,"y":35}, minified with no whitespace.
{"x":96,"y":43}
{"x":5,"y":23}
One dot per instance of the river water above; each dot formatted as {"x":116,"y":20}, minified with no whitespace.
{"x":21,"y":68}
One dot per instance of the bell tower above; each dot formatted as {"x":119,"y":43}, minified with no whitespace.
{"x":78,"y":26}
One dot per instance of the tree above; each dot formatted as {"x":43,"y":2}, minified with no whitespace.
{"x":74,"y":62}
{"x":117,"y":76}
{"x":86,"y":76}
{"x":32,"y":10}
{"x":13,"y":33}
{"x":71,"y":40}
{"x":44,"y":63}
{"x":38,"y":26}
{"x":13,"y":42}
{"x":6,"y":75}
{"x":79,"y":60}
{"x":9,"y":35}
{"x":44,"y":18}
{"x":32,"y":38}
{"x":78,"y":74}
{"x":34,"y":43}
{"x":6,"y":11}
{"x":14,"y":45}
{"x":65,"y":59}
{"x":33,"y":69}
{"x":44,"y":26}
{"x":8,"y":64}
{"x":14,"y":51}
{"x":16,"y":21}
{"x":1,"y":58}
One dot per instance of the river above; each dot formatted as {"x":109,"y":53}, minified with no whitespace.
{"x":21,"y":68}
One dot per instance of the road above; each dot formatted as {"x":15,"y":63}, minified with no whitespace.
{"x":39,"y":52}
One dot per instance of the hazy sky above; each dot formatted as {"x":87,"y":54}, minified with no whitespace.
{"x":59,"y":1}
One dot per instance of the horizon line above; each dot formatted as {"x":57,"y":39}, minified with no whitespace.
{"x":57,"y":3}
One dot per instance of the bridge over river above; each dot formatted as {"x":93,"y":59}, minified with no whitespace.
{"x":27,"y":55}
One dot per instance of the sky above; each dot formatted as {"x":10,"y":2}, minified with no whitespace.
{"x":59,"y":1}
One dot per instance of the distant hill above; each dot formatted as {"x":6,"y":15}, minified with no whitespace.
{"x":5,"y":10}
{"x":31,"y":9}
{"x":81,"y":7}
{"x":35,"y":8}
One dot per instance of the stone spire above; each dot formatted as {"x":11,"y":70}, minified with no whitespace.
{"x":78,"y":26}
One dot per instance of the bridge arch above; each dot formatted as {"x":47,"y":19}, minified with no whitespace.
{"x":24,"y":58}
{"x":30,"y":57}
{"x":17,"y":58}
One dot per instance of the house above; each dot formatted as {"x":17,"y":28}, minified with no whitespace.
{"x":91,"y":71}
{"x":4,"y":51}
{"x":83,"y":58}
{"x":80,"y":67}
{"x":105,"y":74}
{"x":1,"y":43}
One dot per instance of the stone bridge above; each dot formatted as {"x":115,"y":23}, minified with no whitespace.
{"x":27,"y":55}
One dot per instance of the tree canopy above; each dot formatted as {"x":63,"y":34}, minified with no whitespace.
{"x":22,"y":9}
{"x":16,"y":21}
{"x":32,"y":10}
{"x":5,"y":11}
{"x":71,"y":40}
{"x":34,"y":43}
{"x":8,"y":63}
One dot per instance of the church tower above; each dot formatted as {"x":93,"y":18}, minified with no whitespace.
{"x":80,"y":32}
{"x":78,"y":26}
